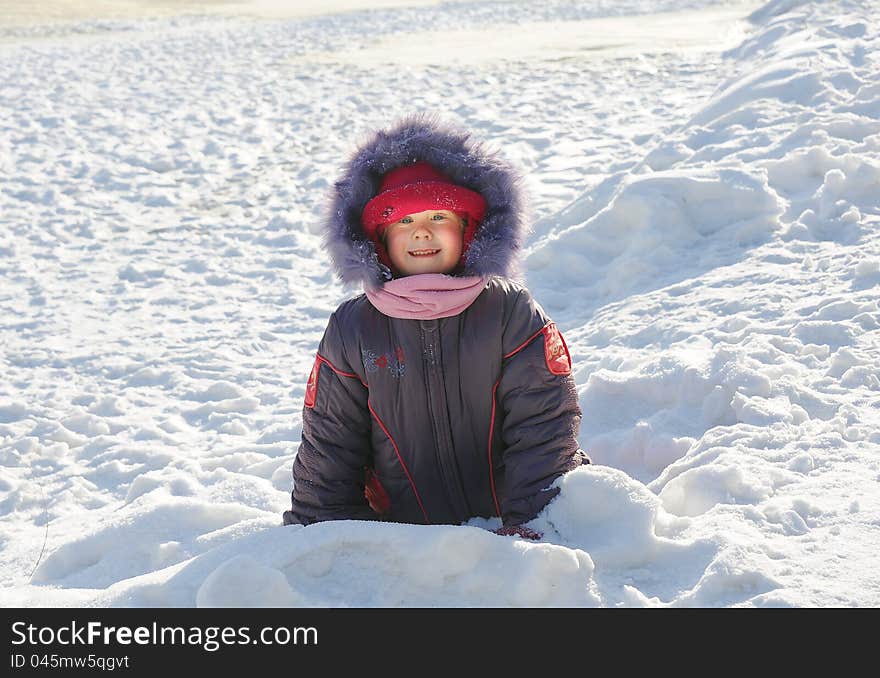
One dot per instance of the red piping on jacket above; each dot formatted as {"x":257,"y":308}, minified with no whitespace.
{"x":491,"y":469}
{"x":400,"y":459}
{"x":492,"y":422}
{"x":324,"y":360}
{"x":526,"y":342}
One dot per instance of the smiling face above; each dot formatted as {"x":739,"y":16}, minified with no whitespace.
{"x":425,"y":242}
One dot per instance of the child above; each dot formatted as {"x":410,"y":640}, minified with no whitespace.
{"x":444,"y":392}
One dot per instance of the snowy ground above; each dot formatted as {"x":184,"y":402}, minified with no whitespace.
{"x":706,"y":233}
{"x":38,"y":14}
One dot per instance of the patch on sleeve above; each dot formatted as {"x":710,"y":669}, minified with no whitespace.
{"x":555,"y":351}
{"x":312,"y":385}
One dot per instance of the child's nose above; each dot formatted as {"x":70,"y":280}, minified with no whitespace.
{"x":422,"y":232}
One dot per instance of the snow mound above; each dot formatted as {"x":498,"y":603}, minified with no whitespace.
{"x":362,"y":565}
{"x":154,"y":536}
{"x":657,"y":229}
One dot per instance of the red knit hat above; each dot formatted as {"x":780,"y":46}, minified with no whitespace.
{"x":416,"y":188}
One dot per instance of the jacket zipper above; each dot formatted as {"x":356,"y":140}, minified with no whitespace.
{"x":440,"y":418}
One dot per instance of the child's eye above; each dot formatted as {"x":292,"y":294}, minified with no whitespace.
{"x":406,"y":220}
{"x":438,"y":217}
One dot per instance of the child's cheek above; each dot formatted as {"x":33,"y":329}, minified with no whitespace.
{"x":394,"y":251}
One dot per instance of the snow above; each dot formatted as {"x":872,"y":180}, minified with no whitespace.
{"x":705,"y":233}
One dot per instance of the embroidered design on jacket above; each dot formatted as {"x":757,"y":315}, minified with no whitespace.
{"x":394,"y":361}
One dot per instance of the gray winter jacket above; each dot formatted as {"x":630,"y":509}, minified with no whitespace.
{"x":435,"y":421}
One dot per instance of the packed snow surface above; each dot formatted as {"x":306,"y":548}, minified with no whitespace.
{"x":704,"y":179}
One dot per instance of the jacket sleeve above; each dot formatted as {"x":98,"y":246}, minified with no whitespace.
{"x":328,"y":470}
{"x":541,"y":415}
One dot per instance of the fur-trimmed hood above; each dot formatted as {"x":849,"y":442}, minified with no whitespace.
{"x":424,"y":137}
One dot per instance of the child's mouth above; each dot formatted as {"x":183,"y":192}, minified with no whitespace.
{"x":423,"y":253}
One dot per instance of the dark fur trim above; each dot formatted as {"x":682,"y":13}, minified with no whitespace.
{"x":495,"y":248}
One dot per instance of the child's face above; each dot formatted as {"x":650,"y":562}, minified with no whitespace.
{"x":425,"y":242}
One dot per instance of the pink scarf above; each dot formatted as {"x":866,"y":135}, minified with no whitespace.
{"x":426,"y":296}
